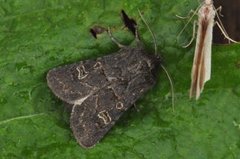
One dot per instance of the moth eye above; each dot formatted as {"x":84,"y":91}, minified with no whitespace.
{"x":119,"y":105}
{"x":82,"y":73}
{"x":104,"y":115}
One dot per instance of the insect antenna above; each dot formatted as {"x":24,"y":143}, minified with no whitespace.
{"x":163,"y":67}
{"x":114,"y":39}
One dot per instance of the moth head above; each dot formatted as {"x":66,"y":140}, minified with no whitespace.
{"x":154,"y":63}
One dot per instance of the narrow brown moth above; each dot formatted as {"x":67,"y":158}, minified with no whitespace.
{"x":201,"y":68}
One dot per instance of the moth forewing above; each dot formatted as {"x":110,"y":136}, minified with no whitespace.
{"x":201,"y":69}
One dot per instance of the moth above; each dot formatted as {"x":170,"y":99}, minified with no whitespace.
{"x":101,"y":90}
{"x":201,"y":68}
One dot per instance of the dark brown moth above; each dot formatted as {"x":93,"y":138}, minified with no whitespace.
{"x":101,"y":90}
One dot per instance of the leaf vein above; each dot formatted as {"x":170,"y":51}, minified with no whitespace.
{"x":21,"y":117}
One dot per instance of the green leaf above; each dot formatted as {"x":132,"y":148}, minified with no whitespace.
{"x":36,"y":36}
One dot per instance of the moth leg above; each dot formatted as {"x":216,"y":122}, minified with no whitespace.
{"x":188,"y":16}
{"x":136,"y":108}
{"x":114,"y":39}
{"x":218,"y":10}
{"x":220,"y":25}
{"x":225,"y":33}
{"x":193,"y":35}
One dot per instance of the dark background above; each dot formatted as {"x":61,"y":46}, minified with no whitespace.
{"x":230,"y":20}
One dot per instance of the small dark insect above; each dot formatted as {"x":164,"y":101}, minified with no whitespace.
{"x":101,"y":90}
{"x":97,"y":30}
{"x":129,"y":23}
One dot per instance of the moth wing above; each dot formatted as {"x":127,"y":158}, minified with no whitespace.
{"x":112,"y":84}
{"x":73,"y":83}
{"x":91,"y":120}
{"x":207,"y":49}
{"x":201,"y":69}
{"x":197,"y":65}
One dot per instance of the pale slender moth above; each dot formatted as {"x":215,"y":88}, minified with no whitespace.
{"x":201,"y":68}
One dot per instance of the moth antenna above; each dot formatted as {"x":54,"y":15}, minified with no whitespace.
{"x":171,"y":85}
{"x":153,"y":36}
{"x":164,"y":69}
{"x":114,"y":39}
{"x":137,"y":37}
